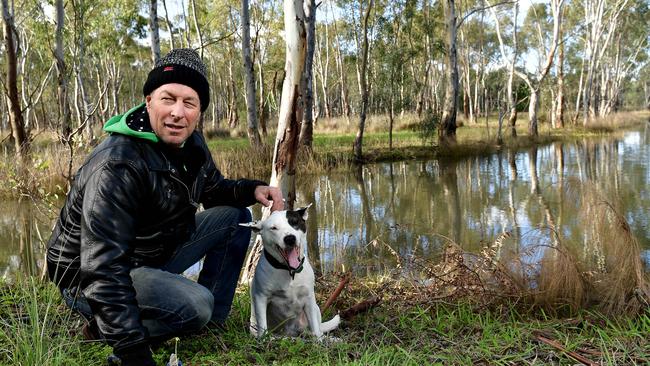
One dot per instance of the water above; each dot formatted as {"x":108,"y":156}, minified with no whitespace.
{"x":371,"y":219}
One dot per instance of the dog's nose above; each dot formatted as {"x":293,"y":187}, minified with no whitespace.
{"x":290,"y":240}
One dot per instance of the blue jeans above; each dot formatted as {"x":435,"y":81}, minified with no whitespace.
{"x":169,"y":302}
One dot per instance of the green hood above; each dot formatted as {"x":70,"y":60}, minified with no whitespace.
{"x":117,"y":124}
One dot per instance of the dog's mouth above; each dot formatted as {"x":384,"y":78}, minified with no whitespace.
{"x":291,"y":255}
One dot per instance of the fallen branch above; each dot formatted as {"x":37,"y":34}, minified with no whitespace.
{"x":555,"y":344}
{"x":359,"y":308}
{"x":344,"y":281}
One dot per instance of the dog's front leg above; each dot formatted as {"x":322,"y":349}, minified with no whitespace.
{"x":260,"y":303}
{"x":312,"y":311}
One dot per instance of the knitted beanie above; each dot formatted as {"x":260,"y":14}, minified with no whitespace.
{"x":182,"y":66}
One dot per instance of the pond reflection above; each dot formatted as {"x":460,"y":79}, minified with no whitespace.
{"x":21,"y":235}
{"x":370,"y":219}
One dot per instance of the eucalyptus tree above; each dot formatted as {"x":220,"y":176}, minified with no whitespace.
{"x":283,"y":173}
{"x":61,"y":69}
{"x":509,"y":60}
{"x":170,"y":27}
{"x":363,"y":81}
{"x":602,"y":19}
{"x":447,"y":129}
{"x":624,"y":58}
{"x":249,"y":76}
{"x":307,"y":84}
{"x":154,"y":31}
{"x":21,"y":140}
{"x":545,"y":53}
{"x":390,"y":55}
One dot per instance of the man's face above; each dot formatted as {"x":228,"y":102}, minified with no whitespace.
{"x":174,"y":111}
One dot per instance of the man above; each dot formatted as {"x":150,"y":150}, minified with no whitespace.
{"x":129,"y":226}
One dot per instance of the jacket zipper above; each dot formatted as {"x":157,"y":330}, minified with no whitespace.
{"x":189,"y":194}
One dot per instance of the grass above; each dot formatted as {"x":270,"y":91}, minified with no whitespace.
{"x":395,"y":333}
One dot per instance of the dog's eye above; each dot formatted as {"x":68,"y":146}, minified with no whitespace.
{"x":274,"y":227}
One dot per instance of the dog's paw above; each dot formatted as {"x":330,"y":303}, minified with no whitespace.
{"x":328,"y":339}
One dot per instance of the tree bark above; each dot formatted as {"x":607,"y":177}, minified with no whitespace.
{"x":345,"y":103}
{"x":358,"y":141}
{"x":21,"y":142}
{"x":62,"y":79}
{"x":170,"y":27}
{"x":197,"y":28}
{"x":154,"y":32}
{"x":447,"y":130}
{"x":535,"y":87}
{"x":558,"y":118}
{"x":249,"y":77}
{"x":307,"y":127}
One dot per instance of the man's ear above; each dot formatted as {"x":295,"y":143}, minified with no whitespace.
{"x":303,"y":211}
{"x":256,"y":226}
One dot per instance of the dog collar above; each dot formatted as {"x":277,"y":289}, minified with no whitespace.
{"x":279,"y":265}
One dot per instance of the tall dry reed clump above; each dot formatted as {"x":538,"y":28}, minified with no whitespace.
{"x":613,"y":256}
{"x":603,"y":272}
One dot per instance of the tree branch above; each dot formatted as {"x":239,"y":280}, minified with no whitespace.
{"x":481,"y":9}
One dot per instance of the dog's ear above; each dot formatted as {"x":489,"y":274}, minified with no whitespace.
{"x":256,"y":226}
{"x":303,"y":211}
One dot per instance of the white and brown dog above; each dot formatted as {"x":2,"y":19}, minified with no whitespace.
{"x":282,"y":289}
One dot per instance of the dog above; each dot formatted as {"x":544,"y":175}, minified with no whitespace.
{"x":282,"y":288}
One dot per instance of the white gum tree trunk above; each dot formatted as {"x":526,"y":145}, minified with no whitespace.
{"x":286,"y":141}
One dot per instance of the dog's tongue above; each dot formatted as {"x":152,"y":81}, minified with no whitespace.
{"x":292,"y":257}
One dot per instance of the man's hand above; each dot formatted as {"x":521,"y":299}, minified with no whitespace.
{"x":266,"y":194}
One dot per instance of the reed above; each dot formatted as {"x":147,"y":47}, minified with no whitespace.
{"x":34,"y":328}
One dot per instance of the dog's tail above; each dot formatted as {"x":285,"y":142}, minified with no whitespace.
{"x":331,"y":324}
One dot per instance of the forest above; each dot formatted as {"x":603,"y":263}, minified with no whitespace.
{"x":530,"y":246}
{"x":71,"y":65}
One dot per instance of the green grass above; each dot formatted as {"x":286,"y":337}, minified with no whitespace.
{"x":397,"y":332}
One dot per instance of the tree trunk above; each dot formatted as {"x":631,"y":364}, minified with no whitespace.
{"x":249,"y":77}
{"x":533,"y":106}
{"x":262,"y":106}
{"x":358,"y":141}
{"x":307,"y":127}
{"x":233,"y":114}
{"x":447,"y":130}
{"x":286,"y":141}
{"x":170,"y":27}
{"x":345,"y":103}
{"x":21,"y":142}
{"x":62,"y":79}
{"x":559,"y":101}
{"x":197,"y":28}
{"x":153,"y":31}
{"x":323,"y":71}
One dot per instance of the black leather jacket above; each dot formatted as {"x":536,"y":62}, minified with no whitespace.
{"x":130,"y":207}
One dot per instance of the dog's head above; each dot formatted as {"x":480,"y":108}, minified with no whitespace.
{"x":283,"y":235}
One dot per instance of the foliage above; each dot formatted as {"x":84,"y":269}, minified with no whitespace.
{"x":429,"y":127}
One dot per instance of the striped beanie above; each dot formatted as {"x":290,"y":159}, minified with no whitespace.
{"x":182,"y":66}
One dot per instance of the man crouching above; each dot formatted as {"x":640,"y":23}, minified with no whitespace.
{"x":129,"y":226}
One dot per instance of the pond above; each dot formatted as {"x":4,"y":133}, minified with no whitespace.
{"x":370,"y":220}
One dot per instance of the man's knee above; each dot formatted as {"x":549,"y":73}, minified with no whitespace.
{"x":198,"y":311}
